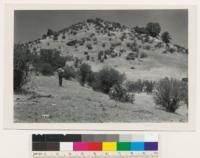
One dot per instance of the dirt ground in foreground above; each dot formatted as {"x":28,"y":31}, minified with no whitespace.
{"x":73,"y":103}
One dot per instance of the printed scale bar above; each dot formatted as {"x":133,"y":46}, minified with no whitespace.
{"x":96,"y":154}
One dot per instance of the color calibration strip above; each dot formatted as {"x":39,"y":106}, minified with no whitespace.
{"x":92,"y":143}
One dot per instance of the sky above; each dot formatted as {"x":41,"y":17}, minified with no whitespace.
{"x":32,"y":24}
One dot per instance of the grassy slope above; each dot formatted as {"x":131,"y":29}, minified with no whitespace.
{"x":73,"y":103}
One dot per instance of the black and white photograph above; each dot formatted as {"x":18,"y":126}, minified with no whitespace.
{"x":100,"y":66}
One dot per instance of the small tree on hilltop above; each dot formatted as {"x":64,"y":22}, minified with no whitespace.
{"x":153,"y":29}
{"x":166,"y":37}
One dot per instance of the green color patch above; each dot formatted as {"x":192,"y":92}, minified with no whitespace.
{"x":123,"y":146}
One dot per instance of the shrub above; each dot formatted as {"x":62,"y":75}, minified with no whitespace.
{"x":143,"y":55}
{"x":159,"y":45}
{"x":172,"y":50}
{"x":21,"y":66}
{"x":106,"y":78}
{"x":131,"y":56}
{"x":149,"y":86}
{"x":147,"y":47}
{"x":140,"y":30}
{"x":184,"y":92}
{"x":52,"y":57}
{"x":120,"y":93}
{"x":46,"y":69}
{"x":166,"y":37}
{"x":89,"y":46}
{"x":135,"y":86}
{"x":69,"y":72}
{"x":153,"y":29}
{"x":168,"y":94}
{"x":85,"y":71}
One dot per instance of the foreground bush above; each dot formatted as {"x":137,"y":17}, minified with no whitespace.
{"x":120,"y":93}
{"x":21,"y":66}
{"x":46,"y":69}
{"x":107,"y":78}
{"x":69,"y":72}
{"x":84,"y":74}
{"x":168,"y":94}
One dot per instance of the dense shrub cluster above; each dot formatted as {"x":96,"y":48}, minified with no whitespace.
{"x":22,"y":58}
{"x":46,"y":69}
{"x":69,"y":72}
{"x":168,"y":94}
{"x":84,"y":73}
{"x":120,"y":93}
{"x":140,"y":86}
{"x":107,"y":78}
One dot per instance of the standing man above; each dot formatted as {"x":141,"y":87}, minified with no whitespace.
{"x":60,"y":75}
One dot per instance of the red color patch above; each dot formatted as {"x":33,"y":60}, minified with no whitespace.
{"x":94,"y":146}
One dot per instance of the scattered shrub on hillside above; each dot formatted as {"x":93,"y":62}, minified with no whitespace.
{"x":72,"y":43}
{"x":69,"y":72}
{"x":140,"y":30}
{"x":50,"y":32}
{"x":52,"y":57}
{"x":159,"y":45}
{"x":63,"y":36}
{"x":89,"y":46}
{"x":168,"y":94}
{"x":143,"y":55}
{"x":153,"y":29}
{"x":147,"y":47}
{"x":69,"y":58}
{"x":171,"y":50}
{"x":166,"y":37}
{"x":120,"y":93}
{"x":131,"y":56}
{"x":135,"y":86}
{"x":21,"y":66}
{"x":44,"y":36}
{"x":148,"y":86}
{"x":106,"y":78}
{"x":85,"y":71}
{"x":103,"y":44}
{"x":46,"y":69}
{"x":88,"y":57}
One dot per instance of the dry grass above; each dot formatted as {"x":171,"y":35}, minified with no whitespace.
{"x":73,"y":103}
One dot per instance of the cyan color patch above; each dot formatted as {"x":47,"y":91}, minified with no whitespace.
{"x":137,"y":146}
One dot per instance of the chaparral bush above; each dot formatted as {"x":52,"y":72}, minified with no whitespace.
{"x":106,"y":78}
{"x":69,"y":72}
{"x":21,"y":66}
{"x":120,"y":93}
{"x":46,"y":69}
{"x":143,"y":55}
{"x":167,"y":94}
{"x":84,"y":72}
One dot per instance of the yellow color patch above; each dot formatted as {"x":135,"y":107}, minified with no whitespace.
{"x":109,"y":146}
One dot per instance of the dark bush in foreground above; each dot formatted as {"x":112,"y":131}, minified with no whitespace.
{"x":120,"y":93}
{"x":168,"y":94}
{"x":69,"y":72}
{"x":184,"y":92}
{"x":106,"y":78}
{"x":46,"y":69}
{"x":21,"y":66}
{"x":85,"y":71}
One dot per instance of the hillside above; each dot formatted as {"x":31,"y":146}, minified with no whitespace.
{"x":121,"y":47}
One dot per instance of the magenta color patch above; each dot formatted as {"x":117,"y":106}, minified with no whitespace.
{"x":80,"y":146}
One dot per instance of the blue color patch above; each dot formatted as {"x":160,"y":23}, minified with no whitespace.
{"x":137,"y":146}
